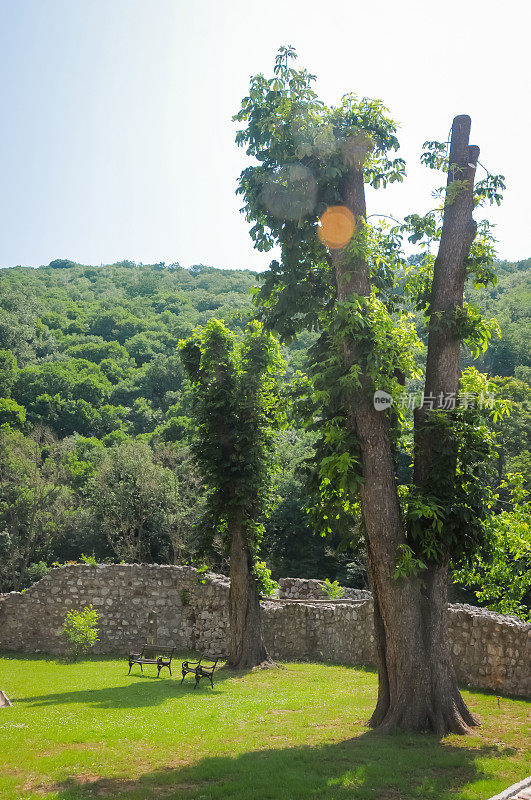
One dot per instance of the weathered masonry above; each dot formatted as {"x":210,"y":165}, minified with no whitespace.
{"x":490,"y":650}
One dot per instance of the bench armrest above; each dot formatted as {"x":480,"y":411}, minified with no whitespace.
{"x":194,"y":664}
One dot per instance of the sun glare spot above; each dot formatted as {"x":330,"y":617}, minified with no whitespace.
{"x":336,"y":227}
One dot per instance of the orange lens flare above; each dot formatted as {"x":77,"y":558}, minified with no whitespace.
{"x":336,"y":227}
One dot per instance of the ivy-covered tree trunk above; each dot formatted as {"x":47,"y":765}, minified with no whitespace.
{"x":417,"y":686}
{"x":235,"y":406}
{"x":246,"y":640}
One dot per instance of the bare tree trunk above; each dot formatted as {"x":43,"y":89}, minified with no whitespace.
{"x":246,"y":639}
{"x":442,"y":380}
{"x":417,"y":688}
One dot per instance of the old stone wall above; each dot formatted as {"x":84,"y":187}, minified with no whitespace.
{"x":191,"y":609}
{"x":490,"y":650}
{"x":305,"y":589}
{"x":340,"y":632}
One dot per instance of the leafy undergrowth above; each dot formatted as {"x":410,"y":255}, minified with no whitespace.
{"x":86,"y":730}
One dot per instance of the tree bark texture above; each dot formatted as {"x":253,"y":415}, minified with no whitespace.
{"x":443,"y":371}
{"x":417,"y":689}
{"x":449,"y":275}
{"x":246,"y":638}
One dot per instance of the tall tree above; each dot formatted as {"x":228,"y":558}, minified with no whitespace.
{"x":132,"y":503}
{"x":345,"y":278}
{"x":33,"y":503}
{"x":234,"y":403}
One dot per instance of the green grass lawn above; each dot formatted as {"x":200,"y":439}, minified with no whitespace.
{"x":87,"y":730}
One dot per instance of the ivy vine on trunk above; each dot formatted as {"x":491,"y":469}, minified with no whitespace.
{"x":235,"y":405}
{"x":349,"y":280}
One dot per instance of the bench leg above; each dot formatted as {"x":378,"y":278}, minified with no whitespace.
{"x":171,"y":676}
{"x":158,"y":671}
{"x":130,"y":665}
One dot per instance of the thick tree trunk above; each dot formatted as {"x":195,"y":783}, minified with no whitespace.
{"x":246,"y":639}
{"x":417,"y":688}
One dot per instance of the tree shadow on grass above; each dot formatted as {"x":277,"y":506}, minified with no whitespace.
{"x":144,"y":690}
{"x":368,"y":767}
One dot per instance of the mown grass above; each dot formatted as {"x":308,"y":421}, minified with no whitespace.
{"x":86,"y":730}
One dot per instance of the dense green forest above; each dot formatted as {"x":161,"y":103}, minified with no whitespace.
{"x":95,"y":455}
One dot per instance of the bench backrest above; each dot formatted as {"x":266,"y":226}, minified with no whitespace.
{"x":210,"y":667}
{"x":154,"y":650}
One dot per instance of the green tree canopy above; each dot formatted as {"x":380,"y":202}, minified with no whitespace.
{"x":347,"y":278}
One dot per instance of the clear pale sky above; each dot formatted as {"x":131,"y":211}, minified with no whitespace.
{"x":116,"y":138}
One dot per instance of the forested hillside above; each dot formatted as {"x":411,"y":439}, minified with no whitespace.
{"x":94,"y":408}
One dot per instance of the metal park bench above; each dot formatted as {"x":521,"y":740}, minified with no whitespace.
{"x":199,"y":670}
{"x":152,"y":654}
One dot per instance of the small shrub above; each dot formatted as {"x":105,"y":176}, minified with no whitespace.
{"x":266,"y":585}
{"x":333,"y":590}
{"x":81,"y":631}
{"x":202,"y":569}
{"x":89,"y":560}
